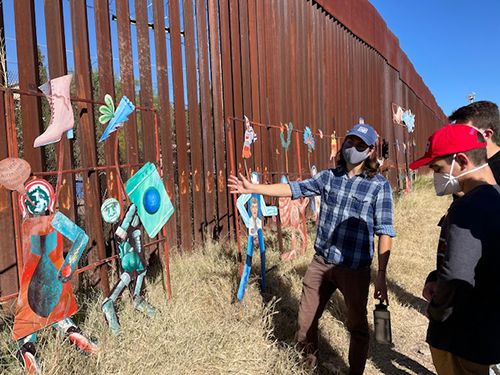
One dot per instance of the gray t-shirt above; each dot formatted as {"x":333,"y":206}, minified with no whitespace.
{"x":465,"y":310}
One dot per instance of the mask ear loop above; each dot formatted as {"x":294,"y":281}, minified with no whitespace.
{"x":451,"y":169}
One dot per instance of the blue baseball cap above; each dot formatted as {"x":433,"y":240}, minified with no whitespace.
{"x":365,"y":132}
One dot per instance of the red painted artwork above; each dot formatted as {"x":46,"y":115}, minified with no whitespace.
{"x":43,"y":298}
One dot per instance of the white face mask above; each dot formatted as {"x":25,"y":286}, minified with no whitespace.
{"x":446,"y":184}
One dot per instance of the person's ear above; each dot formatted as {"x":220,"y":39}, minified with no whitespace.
{"x":487,"y":134}
{"x":372,"y":149}
{"x":462,"y":160}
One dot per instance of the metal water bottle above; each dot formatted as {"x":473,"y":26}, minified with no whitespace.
{"x":382,"y":321}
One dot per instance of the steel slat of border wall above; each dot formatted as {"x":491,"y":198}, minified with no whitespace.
{"x":56,"y":53}
{"x":222,"y":202}
{"x":264,"y":110}
{"x":254,"y":75}
{"x":245,"y":57}
{"x":180,"y":126}
{"x":86,"y":130}
{"x":271,"y":98}
{"x":127,"y":79}
{"x":194,"y":121}
{"x":106,"y":83}
{"x":293,"y":98}
{"x":235,"y":55}
{"x":228,"y":105}
{"x":8,"y":267}
{"x":206,"y":115}
{"x":146,"y":90}
{"x":27,"y":58}
{"x":164,"y":115}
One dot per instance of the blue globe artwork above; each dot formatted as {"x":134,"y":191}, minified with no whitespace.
{"x":152,"y":200}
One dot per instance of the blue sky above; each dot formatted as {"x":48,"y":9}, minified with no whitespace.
{"x":453,"y":44}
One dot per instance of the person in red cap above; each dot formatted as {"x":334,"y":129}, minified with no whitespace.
{"x":463,"y":311}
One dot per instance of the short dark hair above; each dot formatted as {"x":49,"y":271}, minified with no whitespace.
{"x":478,"y":155}
{"x":370,"y":165}
{"x":483,"y":115}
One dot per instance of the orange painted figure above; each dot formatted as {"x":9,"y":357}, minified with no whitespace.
{"x":250,"y":137}
{"x":290,"y":212}
{"x":46,"y":297}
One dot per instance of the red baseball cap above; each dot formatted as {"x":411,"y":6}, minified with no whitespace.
{"x":450,"y":139}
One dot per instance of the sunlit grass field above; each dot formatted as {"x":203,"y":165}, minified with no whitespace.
{"x":206,"y":330}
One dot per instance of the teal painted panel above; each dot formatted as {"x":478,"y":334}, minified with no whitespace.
{"x":147,"y":192}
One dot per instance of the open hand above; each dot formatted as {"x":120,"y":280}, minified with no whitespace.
{"x":239,"y":186}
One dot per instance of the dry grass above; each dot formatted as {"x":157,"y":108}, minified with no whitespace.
{"x":205,"y":330}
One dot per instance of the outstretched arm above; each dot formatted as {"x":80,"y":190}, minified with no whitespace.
{"x":240,"y":203}
{"x":243,"y":186}
{"x":267,"y":211}
{"x":79,"y":238}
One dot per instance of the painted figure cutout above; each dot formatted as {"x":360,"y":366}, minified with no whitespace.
{"x":316,"y":201}
{"x":250,"y":137}
{"x":62,"y":118}
{"x":147,"y":192}
{"x":409,"y":120}
{"x":309,"y":139}
{"x":42,"y":197}
{"x":252,"y":217}
{"x":115,"y":118}
{"x":13,"y":173}
{"x":290,"y":213}
{"x":286,"y":143}
{"x":333,"y":140}
{"x":397,"y":114}
{"x":46,"y":296}
{"x":127,"y":234}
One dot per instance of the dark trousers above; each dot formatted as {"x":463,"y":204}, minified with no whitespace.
{"x":320,"y":282}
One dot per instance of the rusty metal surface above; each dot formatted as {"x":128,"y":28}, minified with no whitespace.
{"x":127,"y":78}
{"x":180,"y":126}
{"x":164,"y":114}
{"x":146,"y":90}
{"x":321,"y":64}
{"x":206,"y":116}
{"x":86,"y":130}
{"x":27,"y":57}
{"x":194,"y":122}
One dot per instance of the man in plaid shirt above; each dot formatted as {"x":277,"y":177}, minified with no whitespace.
{"x":356,"y":204}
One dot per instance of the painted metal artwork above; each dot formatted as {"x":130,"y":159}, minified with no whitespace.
{"x":290,"y":213}
{"x":46,"y":296}
{"x":115,"y":118}
{"x":409,"y":120}
{"x":333,"y":145}
{"x":62,"y":118}
{"x":147,"y":192}
{"x":309,"y":139}
{"x":316,"y":201}
{"x":250,"y":137}
{"x":41,"y":197}
{"x":252,"y":217}
{"x":397,"y":114}
{"x":286,"y":143}
{"x":13,"y":173}
{"x":320,"y":133}
{"x":127,"y":234}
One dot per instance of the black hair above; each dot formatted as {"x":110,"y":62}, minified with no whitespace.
{"x":482,"y":115}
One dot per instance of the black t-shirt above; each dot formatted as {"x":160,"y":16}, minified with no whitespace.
{"x":494,"y":163}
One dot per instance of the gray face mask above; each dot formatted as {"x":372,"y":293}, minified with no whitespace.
{"x":353,"y":156}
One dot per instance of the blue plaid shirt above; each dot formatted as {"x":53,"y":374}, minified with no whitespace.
{"x":352,"y":211}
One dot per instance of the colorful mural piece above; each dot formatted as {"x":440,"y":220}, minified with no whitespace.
{"x":147,"y":192}
{"x":41,"y":197}
{"x":250,"y":137}
{"x":115,"y":118}
{"x":127,"y":234}
{"x":286,"y":143}
{"x":333,"y":145}
{"x":290,"y":213}
{"x":62,"y":118}
{"x":397,"y":114}
{"x":309,"y":139}
{"x":409,"y":120}
{"x":13,"y":173}
{"x":252,"y":217}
